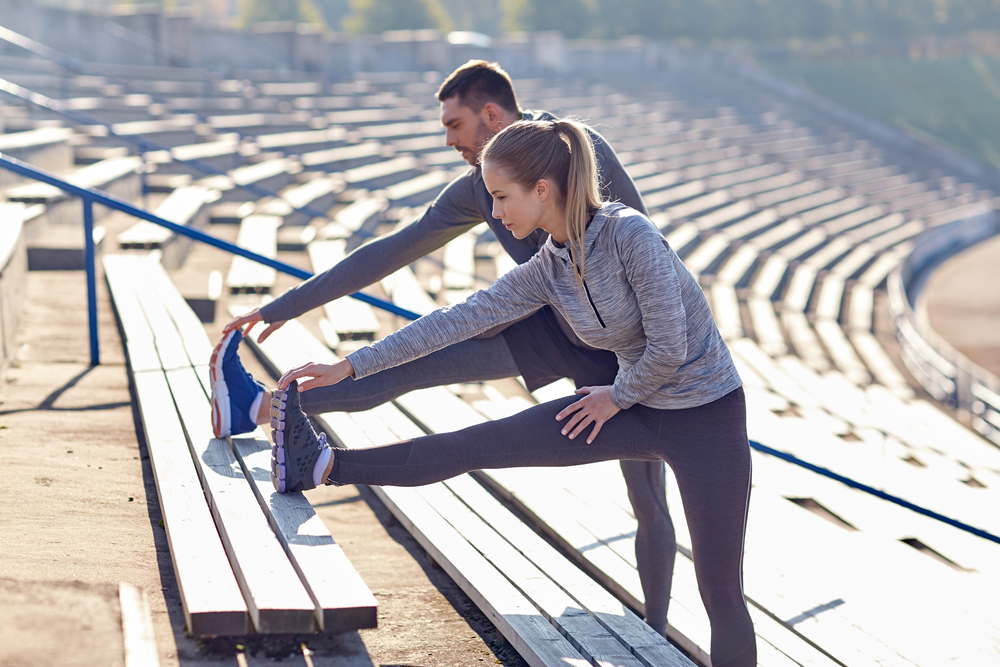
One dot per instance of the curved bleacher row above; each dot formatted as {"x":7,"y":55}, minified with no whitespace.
{"x":792,"y":225}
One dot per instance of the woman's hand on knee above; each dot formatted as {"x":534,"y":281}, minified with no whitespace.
{"x":320,"y":375}
{"x":596,"y":407}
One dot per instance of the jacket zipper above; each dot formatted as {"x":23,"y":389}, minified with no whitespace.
{"x":591,"y":299}
{"x":594,"y":306}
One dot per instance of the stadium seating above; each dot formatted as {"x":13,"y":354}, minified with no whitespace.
{"x":793,"y":223}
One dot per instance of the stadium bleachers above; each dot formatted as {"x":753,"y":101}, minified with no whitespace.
{"x":791,"y":222}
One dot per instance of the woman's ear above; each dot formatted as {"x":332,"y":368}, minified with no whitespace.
{"x":542,"y":190}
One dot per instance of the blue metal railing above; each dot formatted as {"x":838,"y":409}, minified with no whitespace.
{"x":91,"y":196}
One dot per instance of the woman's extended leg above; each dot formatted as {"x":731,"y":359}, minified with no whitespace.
{"x":529,"y":438}
{"x":710,"y":456}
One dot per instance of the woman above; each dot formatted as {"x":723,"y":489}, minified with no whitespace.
{"x":607,"y":269}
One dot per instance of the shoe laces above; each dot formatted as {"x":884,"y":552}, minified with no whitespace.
{"x":322,"y":441}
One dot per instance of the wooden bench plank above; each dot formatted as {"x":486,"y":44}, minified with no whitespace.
{"x":615,"y":617}
{"x":406,"y":292}
{"x":351,"y":319}
{"x":333,"y":583}
{"x":581,"y":629}
{"x":276,"y":598}
{"x":259,"y":234}
{"x":212,"y":601}
{"x":211,"y":597}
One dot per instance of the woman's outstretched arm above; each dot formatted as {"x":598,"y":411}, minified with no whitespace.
{"x":518,"y":293}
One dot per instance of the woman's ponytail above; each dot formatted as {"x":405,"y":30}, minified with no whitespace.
{"x":582,"y":194}
{"x":561,"y":152}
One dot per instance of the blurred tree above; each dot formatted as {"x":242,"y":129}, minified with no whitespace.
{"x":374,"y":16}
{"x":573,"y":18}
{"x":262,"y":11}
{"x":485,"y":16}
{"x":334,"y":12}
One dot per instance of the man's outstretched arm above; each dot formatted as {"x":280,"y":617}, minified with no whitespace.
{"x":451,"y":214}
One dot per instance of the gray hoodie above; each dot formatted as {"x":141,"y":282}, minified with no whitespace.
{"x":638,"y":300}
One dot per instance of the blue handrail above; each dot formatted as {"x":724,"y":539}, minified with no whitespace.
{"x":819,"y":470}
{"x":92,"y":195}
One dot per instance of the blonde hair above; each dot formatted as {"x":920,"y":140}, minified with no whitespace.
{"x":560,"y":152}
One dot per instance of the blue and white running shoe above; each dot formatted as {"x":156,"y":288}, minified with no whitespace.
{"x":233,"y":389}
{"x":298,"y":456}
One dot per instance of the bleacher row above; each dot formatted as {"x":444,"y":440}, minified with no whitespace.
{"x":792,"y":225}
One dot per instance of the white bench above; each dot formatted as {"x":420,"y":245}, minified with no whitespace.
{"x":258,"y":233}
{"x":247,"y":559}
{"x":346,"y":318}
{"x":186,"y":206}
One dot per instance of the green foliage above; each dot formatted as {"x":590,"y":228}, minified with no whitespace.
{"x":573,"y":18}
{"x":485,"y":16}
{"x":954,"y":100}
{"x":374,"y":16}
{"x":263,"y":11}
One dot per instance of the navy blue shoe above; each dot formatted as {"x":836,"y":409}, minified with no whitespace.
{"x":297,"y":449}
{"x":233,"y":389}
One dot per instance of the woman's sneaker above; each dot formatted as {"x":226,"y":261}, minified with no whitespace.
{"x":234,"y":391}
{"x":298,"y":456}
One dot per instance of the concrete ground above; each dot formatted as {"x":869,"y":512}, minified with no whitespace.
{"x":962,"y":302}
{"x":81,"y":515}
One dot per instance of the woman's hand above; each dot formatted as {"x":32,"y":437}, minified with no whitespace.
{"x":322,"y":375}
{"x":251,"y":319}
{"x":594,"y":408}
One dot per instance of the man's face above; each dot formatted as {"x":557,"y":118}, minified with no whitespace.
{"x":465,"y":130}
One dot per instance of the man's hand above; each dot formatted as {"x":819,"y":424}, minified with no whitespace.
{"x":251,"y":319}
{"x":594,"y":408}
{"x":321,"y":375}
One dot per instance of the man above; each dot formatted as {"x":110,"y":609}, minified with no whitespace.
{"x":477,"y":101}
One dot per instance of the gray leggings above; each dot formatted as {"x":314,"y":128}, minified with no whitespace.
{"x":490,"y":359}
{"x":705,"y":446}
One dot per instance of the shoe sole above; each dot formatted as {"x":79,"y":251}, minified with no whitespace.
{"x":278,"y":457}
{"x":221,"y":417}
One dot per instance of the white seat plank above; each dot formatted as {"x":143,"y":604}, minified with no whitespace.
{"x":350,"y":318}
{"x":258,"y":234}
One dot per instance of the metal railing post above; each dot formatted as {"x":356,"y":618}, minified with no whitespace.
{"x":88,"y":261}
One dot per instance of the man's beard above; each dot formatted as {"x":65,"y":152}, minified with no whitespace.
{"x":483,"y":135}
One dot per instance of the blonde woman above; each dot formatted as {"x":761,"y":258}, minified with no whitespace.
{"x":608,"y":271}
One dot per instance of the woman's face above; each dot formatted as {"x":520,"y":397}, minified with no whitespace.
{"x":521,"y":211}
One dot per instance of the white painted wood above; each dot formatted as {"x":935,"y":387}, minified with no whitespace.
{"x":350,"y":318}
{"x":137,"y":627}
{"x":212,"y":600}
{"x":459,"y":263}
{"x":726,"y":309}
{"x":336,"y":588}
{"x":276,"y":598}
{"x":210,"y":596}
{"x":405,"y":291}
{"x":259,"y":234}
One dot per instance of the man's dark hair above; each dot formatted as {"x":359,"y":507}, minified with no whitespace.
{"x":478,"y":82}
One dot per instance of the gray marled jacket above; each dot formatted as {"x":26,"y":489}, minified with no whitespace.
{"x":638,"y":300}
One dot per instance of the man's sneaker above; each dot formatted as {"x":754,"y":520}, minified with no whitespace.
{"x":233,"y":389}
{"x":297,"y":450}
